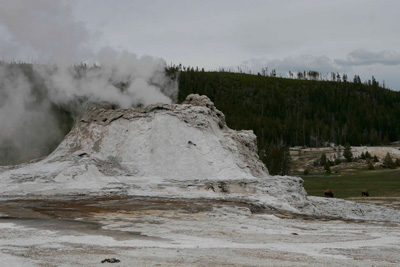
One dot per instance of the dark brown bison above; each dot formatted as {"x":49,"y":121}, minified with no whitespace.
{"x":364,"y":193}
{"x":328,"y":193}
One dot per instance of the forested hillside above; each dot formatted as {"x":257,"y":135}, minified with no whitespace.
{"x":296,"y":112}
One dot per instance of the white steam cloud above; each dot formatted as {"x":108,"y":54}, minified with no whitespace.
{"x":37,"y":101}
{"x":122,"y":78}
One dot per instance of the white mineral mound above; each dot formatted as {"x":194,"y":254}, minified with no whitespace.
{"x":378,"y":151}
{"x":180,"y":151}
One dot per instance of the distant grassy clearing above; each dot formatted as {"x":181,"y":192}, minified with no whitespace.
{"x":382,"y":183}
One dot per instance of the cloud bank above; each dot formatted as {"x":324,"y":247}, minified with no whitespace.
{"x":300,"y":63}
{"x":44,"y":27}
{"x":383,"y":65}
{"x":363,"y":57}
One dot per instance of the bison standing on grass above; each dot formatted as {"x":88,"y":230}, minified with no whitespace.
{"x":328,"y":193}
{"x":364,"y":193}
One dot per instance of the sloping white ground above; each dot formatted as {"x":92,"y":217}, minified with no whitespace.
{"x":380,"y":152}
{"x":169,"y":151}
{"x":226,"y":236}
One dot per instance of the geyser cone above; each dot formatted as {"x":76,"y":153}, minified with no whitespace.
{"x":174,"y":151}
{"x":189,"y":141}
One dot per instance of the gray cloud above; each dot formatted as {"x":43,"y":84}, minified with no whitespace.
{"x":363,"y":57}
{"x":321,"y":64}
{"x":367,"y":66}
{"x":219,"y":33}
{"x":45,"y":27}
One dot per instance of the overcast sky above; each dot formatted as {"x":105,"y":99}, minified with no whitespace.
{"x":353,"y":36}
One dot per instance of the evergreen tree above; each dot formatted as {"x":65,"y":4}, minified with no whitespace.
{"x":276,"y":161}
{"x":347,"y":152}
{"x":286,"y":160}
{"x":327,"y":168}
{"x":344,"y":77}
{"x":322,"y":160}
{"x":388,"y":162}
{"x":371,"y":166}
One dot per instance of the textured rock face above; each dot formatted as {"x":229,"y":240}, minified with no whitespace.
{"x":162,"y":150}
{"x":188,"y":141}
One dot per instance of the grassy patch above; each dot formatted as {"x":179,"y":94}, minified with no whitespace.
{"x":380,"y":183}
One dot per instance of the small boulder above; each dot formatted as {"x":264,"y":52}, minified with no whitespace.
{"x":111,"y":260}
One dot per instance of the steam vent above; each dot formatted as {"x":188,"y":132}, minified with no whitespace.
{"x":173,"y":151}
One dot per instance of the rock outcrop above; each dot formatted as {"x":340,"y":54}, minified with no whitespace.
{"x":188,"y":141}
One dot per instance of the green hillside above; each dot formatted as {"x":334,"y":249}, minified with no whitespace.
{"x":293,"y":112}
{"x":300,"y":112}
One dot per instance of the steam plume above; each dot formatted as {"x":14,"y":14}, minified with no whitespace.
{"x":39,"y":101}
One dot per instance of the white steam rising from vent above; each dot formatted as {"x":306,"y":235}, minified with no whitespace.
{"x":38,"y":100}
